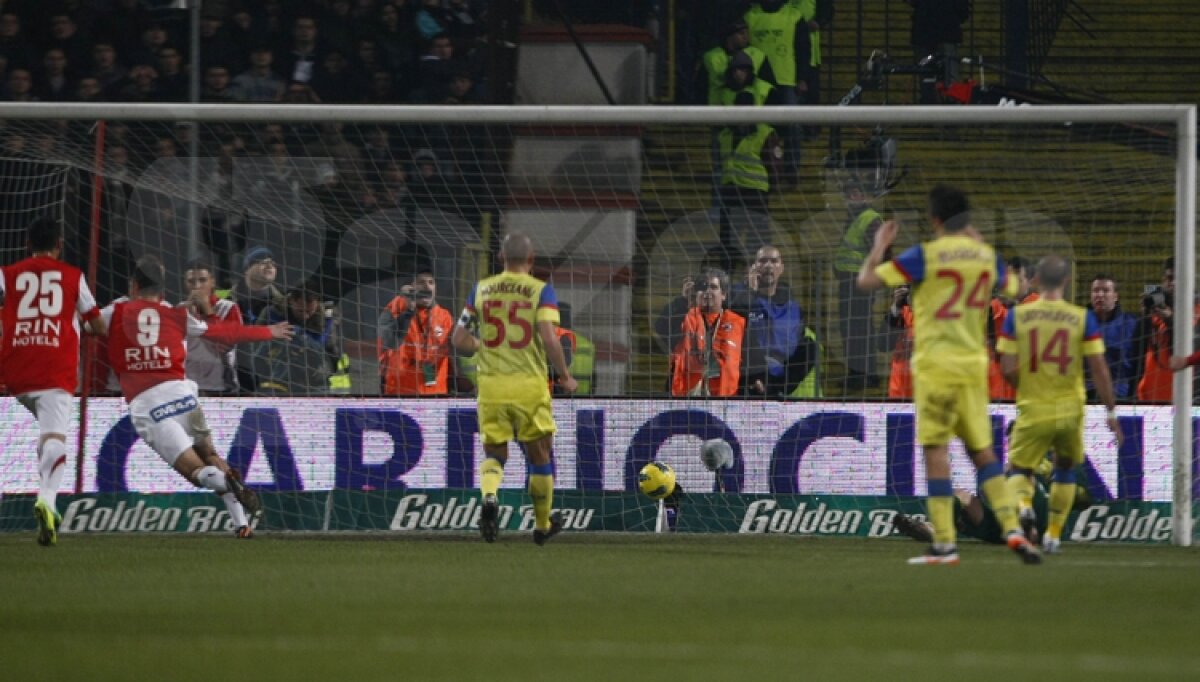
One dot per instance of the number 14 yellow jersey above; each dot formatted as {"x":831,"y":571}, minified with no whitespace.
{"x":1050,"y":340}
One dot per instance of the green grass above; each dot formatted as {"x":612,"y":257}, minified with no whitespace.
{"x":594,"y":607}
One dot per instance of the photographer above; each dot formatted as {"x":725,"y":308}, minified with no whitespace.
{"x":899,"y":321}
{"x":414,"y":340}
{"x":1156,"y":333}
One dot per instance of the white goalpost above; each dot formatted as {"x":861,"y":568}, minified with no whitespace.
{"x":625,"y":207}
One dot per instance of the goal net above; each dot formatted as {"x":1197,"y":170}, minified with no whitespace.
{"x":338,"y":219}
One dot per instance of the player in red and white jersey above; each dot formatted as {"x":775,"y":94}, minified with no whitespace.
{"x":44,"y":300}
{"x":212,"y":360}
{"x":147,"y":349}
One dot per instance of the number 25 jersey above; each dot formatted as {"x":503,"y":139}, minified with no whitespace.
{"x":511,"y":355}
{"x":952,"y":278}
{"x":44,"y":299}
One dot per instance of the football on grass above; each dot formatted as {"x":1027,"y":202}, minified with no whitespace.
{"x":656,"y":480}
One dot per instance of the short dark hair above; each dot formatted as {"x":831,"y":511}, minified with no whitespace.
{"x":949,"y":205}
{"x":1019,"y":263}
{"x":1169,"y":263}
{"x":199,"y":265}
{"x":1106,"y":276}
{"x":149,"y":274}
{"x":43,"y":234}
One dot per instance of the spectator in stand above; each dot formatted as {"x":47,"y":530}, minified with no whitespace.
{"x":65,"y":35}
{"x":155,"y":38}
{"x":434,"y":69}
{"x":300,"y":93}
{"x":88,"y":90}
{"x":855,"y":307}
{"x":54,"y":85}
{"x":124,"y":23}
{"x":432,"y":19}
{"x":309,"y":363}
{"x":393,"y":188}
{"x":172,"y":80}
{"x":256,"y":290}
{"x":259,"y":83}
{"x":212,"y":359}
{"x":900,"y":320}
{"x":336,"y":83}
{"x":429,"y":186}
{"x":459,"y":89}
{"x":1119,"y":330}
{"x":414,"y":340}
{"x":383,"y":89}
{"x":165,"y":147}
{"x":19,"y":86}
{"x":303,"y":53}
{"x":396,"y":39}
{"x":337,"y":26}
{"x":105,"y":67}
{"x":780,"y":349}
{"x":216,"y":85}
{"x":216,"y":47}
{"x":367,"y":52}
{"x":466,"y":21}
{"x":707,"y":360}
{"x":245,"y":30}
{"x":377,"y":151}
{"x":253,"y":294}
{"x":142,"y":85}
{"x":14,"y":46}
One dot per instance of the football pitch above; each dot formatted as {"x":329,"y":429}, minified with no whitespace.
{"x":586,"y":607}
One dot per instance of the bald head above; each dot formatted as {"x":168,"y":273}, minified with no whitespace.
{"x":1052,"y":272}
{"x":516,"y":251}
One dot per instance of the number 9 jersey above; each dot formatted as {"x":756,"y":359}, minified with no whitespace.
{"x":147,"y":343}
{"x":952,"y":278}
{"x":512,"y":360}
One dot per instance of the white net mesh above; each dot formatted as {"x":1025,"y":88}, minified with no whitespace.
{"x":350,"y":212}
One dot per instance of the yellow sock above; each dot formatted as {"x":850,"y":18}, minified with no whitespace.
{"x":1062,"y":497}
{"x":998,"y":496}
{"x":941,"y":516}
{"x":541,"y":489}
{"x":491,"y":472}
{"x":1022,"y":489}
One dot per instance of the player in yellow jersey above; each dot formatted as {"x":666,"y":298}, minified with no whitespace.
{"x":1043,"y":346}
{"x":517,"y":316}
{"x":952,"y":277}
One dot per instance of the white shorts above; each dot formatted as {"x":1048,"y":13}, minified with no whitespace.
{"x":168,"y":417}
{"x":51,"y":406}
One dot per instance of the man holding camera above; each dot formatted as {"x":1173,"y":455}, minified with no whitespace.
{"x":414,"y":340}
{"x":1156,"y":332}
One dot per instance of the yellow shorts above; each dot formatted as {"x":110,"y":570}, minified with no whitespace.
{"x":948,"y":410}
{"x":522,"y":420}
{"x":1031,"y":439}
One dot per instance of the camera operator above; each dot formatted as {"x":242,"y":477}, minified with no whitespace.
{"x":414,"y":340}
{"x":1155,"y":332}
